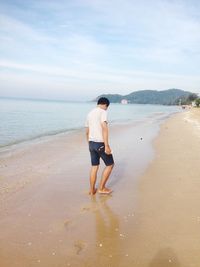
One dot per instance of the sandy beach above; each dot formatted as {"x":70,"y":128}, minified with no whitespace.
{"x":152,"y":218}
{"x":168,"y":196}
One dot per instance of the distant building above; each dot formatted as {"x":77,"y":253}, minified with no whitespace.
{"x":124,"y":101}
{"x":194,"y":104}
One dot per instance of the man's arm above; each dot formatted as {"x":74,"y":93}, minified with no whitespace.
{"x":87,"y":133}
{"x":104,"y":126}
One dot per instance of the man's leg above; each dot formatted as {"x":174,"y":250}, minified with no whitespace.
{"x":105,"y":175}
{"x":93,"y":178}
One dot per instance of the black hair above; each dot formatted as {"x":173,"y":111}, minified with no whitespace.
{"x":103,"y":101}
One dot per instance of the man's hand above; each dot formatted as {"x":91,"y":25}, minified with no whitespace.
{"x":108,"y":150}
{"x":105,"y":138}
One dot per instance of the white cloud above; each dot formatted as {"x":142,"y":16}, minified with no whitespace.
{"x":94,"y":44}
{"x":109,"y":80}
{"x":11,"y":27}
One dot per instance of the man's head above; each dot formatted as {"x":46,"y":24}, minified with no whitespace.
{"x":103,"y":102}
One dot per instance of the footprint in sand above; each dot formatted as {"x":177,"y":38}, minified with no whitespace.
{"x":79,"y":246}
{"x":89,"y":208}
{"x":67,"y":223}
{"x":85,"y":209}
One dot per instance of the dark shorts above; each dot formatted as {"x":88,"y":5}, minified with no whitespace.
{"x":97,"y":151}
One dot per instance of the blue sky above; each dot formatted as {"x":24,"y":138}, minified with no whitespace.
{"x":78,"y":49}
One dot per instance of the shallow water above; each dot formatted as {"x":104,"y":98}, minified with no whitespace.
{"x":23,"y":120}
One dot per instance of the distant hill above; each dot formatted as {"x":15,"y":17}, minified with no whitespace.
{"x":166,"y":97}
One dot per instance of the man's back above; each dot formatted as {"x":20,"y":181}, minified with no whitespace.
{"x":94,"y":120}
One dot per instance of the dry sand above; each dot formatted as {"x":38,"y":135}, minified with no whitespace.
{"x":151,"y":219}
{"x":169,"y":197}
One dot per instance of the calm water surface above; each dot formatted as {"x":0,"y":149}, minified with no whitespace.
{"x":23,"y":120}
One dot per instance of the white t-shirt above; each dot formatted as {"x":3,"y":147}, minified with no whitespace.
{"x":94,"y":120}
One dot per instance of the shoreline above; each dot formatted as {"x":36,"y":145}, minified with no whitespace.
{"x":54,"y":136}
{"x":150,"y":220}
{"x":44,"y":190}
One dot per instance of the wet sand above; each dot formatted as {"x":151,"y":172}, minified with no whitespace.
{"x":151,"y":219}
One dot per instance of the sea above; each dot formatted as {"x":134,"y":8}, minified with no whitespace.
{"x":23,"y":120}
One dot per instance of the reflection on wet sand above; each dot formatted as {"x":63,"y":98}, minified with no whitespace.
{"x":107,"y":233}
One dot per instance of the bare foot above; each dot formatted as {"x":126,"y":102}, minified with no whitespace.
{"x":93,"y":192}
{"x":105,"y":190}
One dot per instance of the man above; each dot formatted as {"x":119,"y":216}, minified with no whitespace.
{"x":97,"y":136}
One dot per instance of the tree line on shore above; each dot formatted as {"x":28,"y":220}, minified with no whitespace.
{"x":197,"y":102}
{"x":165,"y":97}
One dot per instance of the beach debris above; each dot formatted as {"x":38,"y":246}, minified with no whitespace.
{"x":126,"y":255}
{"x":101,"y":245}
{"x":170,"y":260}
{"x":38,"y":261}
{"x":110,"y":256}
{"x":125,"y":219}
{"x":121,"y":235}
{"x":53,"y":253}
{"x":29,"y":243}
{"x":141,"y":138}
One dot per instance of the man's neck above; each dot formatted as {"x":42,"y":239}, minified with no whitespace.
{"x":104,"y":107}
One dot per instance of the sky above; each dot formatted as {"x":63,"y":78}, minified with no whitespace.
{"x":79,"y":49}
